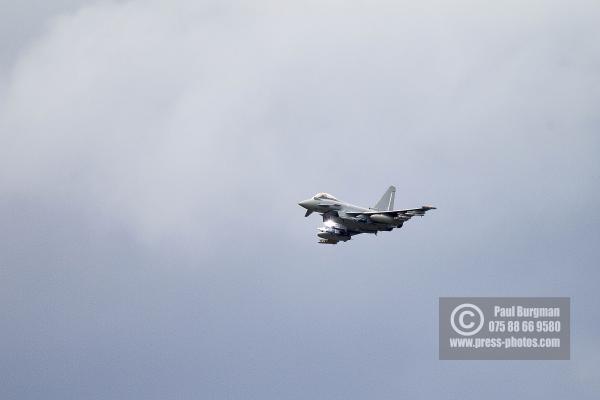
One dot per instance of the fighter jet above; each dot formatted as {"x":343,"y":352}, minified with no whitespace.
{"x":341,"y":220}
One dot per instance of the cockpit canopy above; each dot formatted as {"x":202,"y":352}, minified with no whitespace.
{"x":323,"y":195}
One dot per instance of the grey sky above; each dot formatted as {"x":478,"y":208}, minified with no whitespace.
{"x":152,"y":155}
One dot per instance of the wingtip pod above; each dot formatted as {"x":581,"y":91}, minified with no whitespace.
{"x":429,"y":208}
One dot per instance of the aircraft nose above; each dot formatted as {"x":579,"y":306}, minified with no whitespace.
{"x":305,"y":203}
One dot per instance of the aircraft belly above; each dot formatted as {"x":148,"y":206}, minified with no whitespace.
{"x":361,"y":226}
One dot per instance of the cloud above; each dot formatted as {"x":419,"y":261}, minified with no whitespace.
{"x":129,"y":110}
{"x":151,"y":112}
{"x":152,"y":154}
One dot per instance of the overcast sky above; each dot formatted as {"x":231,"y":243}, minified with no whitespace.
{"x":152,"y":155}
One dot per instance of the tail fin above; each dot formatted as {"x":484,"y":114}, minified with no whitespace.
{"x":387,"y":200}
